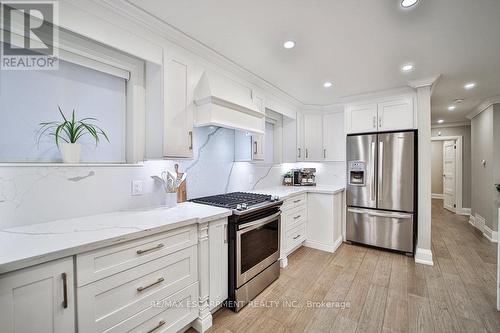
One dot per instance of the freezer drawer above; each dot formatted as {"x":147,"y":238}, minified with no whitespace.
{"x":389,"y":230}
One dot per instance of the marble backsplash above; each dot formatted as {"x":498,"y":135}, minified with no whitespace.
{"x":36,"y":194}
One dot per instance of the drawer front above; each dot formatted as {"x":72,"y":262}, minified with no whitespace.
{"x":295,"y":237}
{"x":166,"y":315}
{"x":107,"y":302}
{"x":101,"y":263}
{"x":298,"y":200}
{"x":294,"y":217}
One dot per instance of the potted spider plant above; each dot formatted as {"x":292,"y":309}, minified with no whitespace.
{"x":68,"y":131}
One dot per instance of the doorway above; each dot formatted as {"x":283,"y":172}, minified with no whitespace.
{"x":447,"y":172}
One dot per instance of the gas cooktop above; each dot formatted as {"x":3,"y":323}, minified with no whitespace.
{"x":237,"y":200}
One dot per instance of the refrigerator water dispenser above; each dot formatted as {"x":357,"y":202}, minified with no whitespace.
{"x":357,"y":173}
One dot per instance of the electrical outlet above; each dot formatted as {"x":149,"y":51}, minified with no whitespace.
{"x":250,"y":178}
{"x":137,"y":187}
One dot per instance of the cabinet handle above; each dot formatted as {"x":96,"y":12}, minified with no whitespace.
{"x":255,"y":147}
{"x":190,"y":140}
{"x":380,"y":122}
{"x":65,"y":290}
{"x":159,"y":246}
{"x":299,"y":152}
{"x":160,"y":324}
{"x":324,"y":153}
{"x":307,"y":153}
{"x":225,"y":233}
{"x":160,"y":280}
{"x":374,"y":122}
{"x":296,"y":237}
{"x":297,"y":217}
{"x":297,"y":201}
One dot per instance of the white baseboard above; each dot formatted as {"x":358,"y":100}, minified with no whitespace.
{"x":201,"y":325}
{"x":424,"y":257}
{"x":464,"y":211}
{"x":471,"y":221}
{"x":324,"y":247}
{"x":284,"y":262}
{"x":491,"y":235}
{"x":437,"y":196}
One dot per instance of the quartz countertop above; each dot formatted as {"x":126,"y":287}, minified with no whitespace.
{"x":37,"y":243}
{"x":285,"y":192}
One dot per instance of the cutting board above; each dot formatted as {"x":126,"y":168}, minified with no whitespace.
{"x":182,"y":189}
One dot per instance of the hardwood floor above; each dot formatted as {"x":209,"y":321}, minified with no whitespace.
{"x":380,"y":291}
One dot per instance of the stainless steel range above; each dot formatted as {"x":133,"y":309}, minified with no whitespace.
{"x":254,"y":243}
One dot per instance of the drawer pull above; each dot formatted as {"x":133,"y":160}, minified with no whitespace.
{"x":160,"y":324}
{"x":159,"y":246}
{"x":297,"y":201}
{"x":294,"y":238}
{"x":297,"y":217}
{"x":65,"y":290}
{"x":160,"y":280}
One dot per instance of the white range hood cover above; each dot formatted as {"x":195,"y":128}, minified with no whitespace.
{"x":221,"y":101}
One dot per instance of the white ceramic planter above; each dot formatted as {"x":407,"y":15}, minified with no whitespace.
{"x":70,"y":152}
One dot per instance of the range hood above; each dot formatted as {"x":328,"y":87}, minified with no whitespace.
{"x":223,"y":102}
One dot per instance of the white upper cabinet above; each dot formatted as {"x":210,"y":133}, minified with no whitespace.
{"x":313,"y":138}
{"x":333,"y":137}
{"x":290,"y":145}
{"x":178,"y":106}
{"x":258,"y":147}
{"x":300,"y":137}
{"x":395,"y":114}
{"x":361,"y":118}
{"x":38,"y":299}
{"x":385,"y":115}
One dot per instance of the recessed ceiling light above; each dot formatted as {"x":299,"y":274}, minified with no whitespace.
{"x":289,"y":44}
{"x":407,"y":68}
{"x":440,"y":121}
{"x":408,"y":3}
{"x":470,"y":85}
{"x":452,"y":107}
{"x":327,"y":84}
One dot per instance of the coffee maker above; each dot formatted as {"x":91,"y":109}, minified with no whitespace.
{"x":304,"y":177}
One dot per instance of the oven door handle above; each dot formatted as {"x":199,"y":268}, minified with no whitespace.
{"x":258,"y":223}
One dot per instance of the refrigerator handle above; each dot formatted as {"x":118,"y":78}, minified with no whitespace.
{"x":373,"y":172}
{"x":380,"y":167}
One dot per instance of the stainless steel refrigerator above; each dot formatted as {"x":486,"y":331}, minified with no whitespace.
{"x":381,"y":195}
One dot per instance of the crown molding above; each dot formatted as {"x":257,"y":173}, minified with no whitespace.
{"x":429,"y":81}
{"x":483,"y":106}
{"x":454,"y":124}
{"x":127,"y":9}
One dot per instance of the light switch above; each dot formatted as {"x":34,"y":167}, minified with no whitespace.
{"x":137,"y":187}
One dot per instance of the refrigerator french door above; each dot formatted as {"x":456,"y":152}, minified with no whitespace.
{"x":381,"y":189}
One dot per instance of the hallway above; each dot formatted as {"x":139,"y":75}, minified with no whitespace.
{"x":385,"y":292}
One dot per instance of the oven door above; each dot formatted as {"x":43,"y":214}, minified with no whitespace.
{"x":257,"y":247}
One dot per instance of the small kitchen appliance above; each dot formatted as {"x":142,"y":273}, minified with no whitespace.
{"x":304,"y":177}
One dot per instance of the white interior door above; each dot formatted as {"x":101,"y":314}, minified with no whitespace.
{"x":449,"y":174}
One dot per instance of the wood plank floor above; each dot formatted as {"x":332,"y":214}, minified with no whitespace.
{"x":385,"y":292}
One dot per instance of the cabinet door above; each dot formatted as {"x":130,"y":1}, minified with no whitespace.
{"x":333,"y":137}
{"x":395,"y":114}
{"x":178,"y":107}
{"x":218,"y":238}
{"x":290,"y":151}
{"x":313,"y":137}
{"x":38,"y":299}
{"x":300,"y":137}
{"x":361,"y":118}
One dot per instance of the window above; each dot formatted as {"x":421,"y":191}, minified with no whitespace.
{"x":28,"y":98}
{"x":94,"y":80}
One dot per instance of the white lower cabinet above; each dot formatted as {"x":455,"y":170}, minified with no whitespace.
{"x":293,"y":225}
{"x":38,"y":299}
{"x":147,"y":283}
{"x":218,"y":244}
{"x":325,"y":213}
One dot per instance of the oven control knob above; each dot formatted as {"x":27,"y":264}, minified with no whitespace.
{"x":244,"y":206}
{"x":276,"y":198}
{"x":238,"y":207}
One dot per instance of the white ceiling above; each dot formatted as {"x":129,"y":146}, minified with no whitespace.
{"x":359,"y":45}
